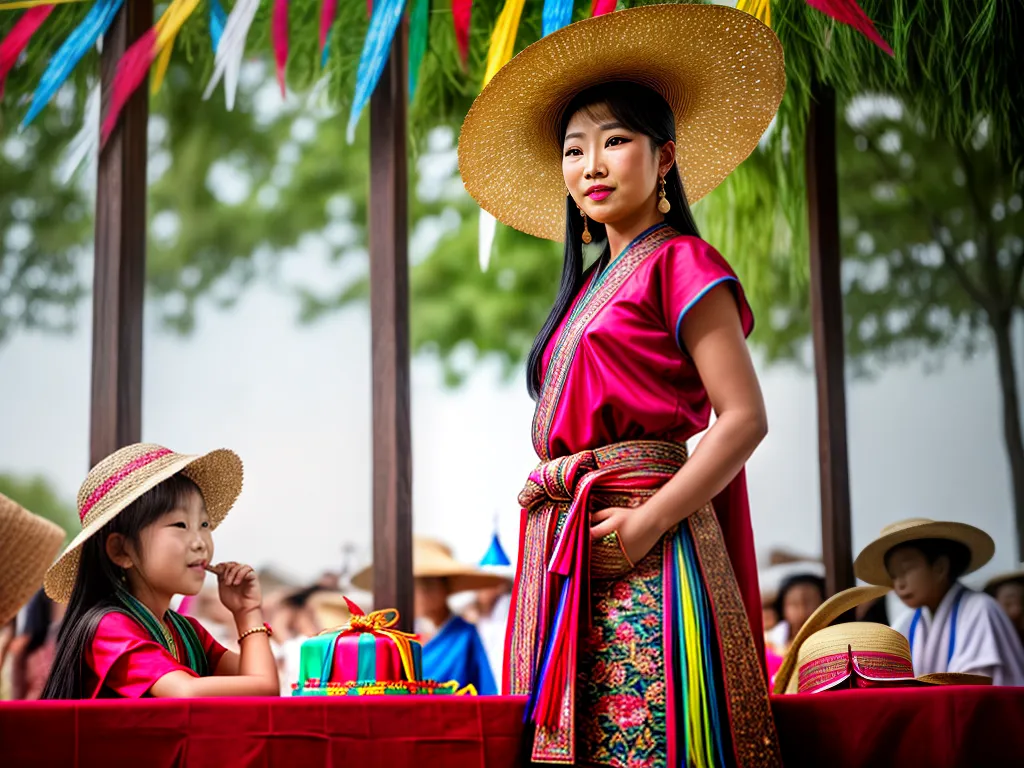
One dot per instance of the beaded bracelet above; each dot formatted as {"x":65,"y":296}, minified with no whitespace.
{"x":265,"y":628}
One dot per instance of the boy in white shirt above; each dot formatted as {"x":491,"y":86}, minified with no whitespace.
{"x":952,"y":628}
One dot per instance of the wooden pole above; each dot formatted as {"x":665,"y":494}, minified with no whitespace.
{"x":828,"y":334}
{"x":119,"y":270}
{"x":389,"y":321}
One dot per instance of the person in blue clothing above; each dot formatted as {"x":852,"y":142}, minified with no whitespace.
{"x":452,"y":647}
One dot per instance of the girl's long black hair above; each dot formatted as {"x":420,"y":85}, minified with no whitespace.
{"x":98,"y":581}
{"x":643,"y":111}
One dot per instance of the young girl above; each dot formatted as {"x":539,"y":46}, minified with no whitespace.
{"x":147,"y":515}
{"x":636,"y":620}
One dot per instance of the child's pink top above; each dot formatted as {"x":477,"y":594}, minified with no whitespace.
{"x":124,"y":661}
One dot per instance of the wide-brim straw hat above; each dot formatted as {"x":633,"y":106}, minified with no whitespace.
{"x":127,"y":474}
{"x":432,"y":558}
{"x":720,"y":70}
{"x":870,"y":563}
{"x":875,"y":651}
{"x":28,"y":544}
{"x":993,"y":584}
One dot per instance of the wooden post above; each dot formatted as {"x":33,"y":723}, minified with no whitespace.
{"x":119,"y":270}
{"x":389,"y":321}
{"x":828,"y":333}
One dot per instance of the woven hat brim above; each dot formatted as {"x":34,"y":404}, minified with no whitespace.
{"x":218,"y":474}
{"x":870,"y":563}
{"x":827,"y":612}
{"x":721,"y":71}
{"x":28,"y":544}
{"x":954,"y":678}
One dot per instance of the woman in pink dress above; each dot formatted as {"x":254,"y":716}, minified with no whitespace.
{"x":636,"y":619}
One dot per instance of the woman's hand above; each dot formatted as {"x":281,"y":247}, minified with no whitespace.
{"x":638,"y":531}
{"x":239,"y":587}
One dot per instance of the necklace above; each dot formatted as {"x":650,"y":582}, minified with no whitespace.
{"x":168,"y":638}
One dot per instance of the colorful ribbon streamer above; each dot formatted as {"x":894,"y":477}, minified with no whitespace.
{"x":328,"y":12}
{"x":850,"y":13}
{"x":279,"y":38}
{"x":28,"y":4}
{"x":376,"y":49}
{"x":218,"y":18}
{"x":231,"y":49}
{"x":557,"y":14}
{"x":17,"y":39}
{"x":133,"y":66}
{"x":419,"y":23}
{"x":462,"y":11}
{"x":601,"y":7}
{"x":71,"y":51}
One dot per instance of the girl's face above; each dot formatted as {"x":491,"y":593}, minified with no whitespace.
{"x":800,"y":602}
{"x":172,"y":552}
{"x":612,"y":173}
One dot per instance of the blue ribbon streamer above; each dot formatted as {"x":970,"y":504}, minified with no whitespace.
{"x":71,"y":51}
{"x":376,"y":48}
{"x":557,"y":14}
{"x":218,"y":18}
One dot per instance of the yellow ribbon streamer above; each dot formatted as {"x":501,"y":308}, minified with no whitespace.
{"x":503,"y":39}
{"x":381,"y":623}
{"x":167,"y":28}
{"x":14,"y":6}
{"x":759,"y":9}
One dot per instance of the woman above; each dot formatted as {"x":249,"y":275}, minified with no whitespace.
{"x":799,"y":596}
{"x":628,"y":620}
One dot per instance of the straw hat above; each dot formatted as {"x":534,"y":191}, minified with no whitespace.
{"x":857,"y":637}
{"x":431,"y":558}
{"x":720,"y":70}
{"x":123,"y":477}
{"x":28,"y":544}
{"x":993,"y":584}
{"x":870,"y":563}
{"x":870,"y":651}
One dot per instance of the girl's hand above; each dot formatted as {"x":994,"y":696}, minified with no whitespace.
{"x":239,"y":587}
{"x":637,"y":530}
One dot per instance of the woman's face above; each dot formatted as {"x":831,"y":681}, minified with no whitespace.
{"x":800,"y":602}
{"x":612,"y":172}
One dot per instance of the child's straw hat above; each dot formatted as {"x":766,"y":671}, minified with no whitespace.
{"x":123,"y":477}
{"x":28,"y":544}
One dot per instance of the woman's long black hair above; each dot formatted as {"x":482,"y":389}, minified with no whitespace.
{"x":98,"y":581}
{"x":643,"y":111}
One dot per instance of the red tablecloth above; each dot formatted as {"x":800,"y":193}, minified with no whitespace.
{"x":937,"y":728}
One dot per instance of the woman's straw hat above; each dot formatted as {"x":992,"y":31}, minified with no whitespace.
{"x":28,"y":544}
{"x":431,"y":558}
{"x":123,"y":477}
{"x":720,"y":70}
{"x":870,"y":563}
{"x":826,"y":642}
{"x":872,"y":652}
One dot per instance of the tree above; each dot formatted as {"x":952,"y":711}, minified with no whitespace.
{"x":37,"y":496}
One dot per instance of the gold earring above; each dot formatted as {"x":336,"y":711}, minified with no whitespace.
{"x":664,"y":206}
{"x":587,"y":237}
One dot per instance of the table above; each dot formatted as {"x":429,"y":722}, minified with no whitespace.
{"x":938,"y":728}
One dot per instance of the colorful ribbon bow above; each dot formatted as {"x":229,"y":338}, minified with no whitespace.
{"x":381,"y":624}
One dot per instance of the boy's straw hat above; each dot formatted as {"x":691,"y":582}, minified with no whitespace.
{"x":28,"y":544}
{"x":993,"y":584}
{"x":870,"y":563}
{"x":720,"y":70}
{"x":123,"y":477}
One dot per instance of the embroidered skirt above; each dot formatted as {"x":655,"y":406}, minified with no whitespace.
{"x":651,"y":664}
